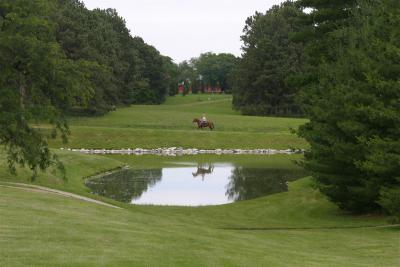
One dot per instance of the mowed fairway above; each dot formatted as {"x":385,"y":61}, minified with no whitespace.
{"x":171,"y":124}
{"x":295,"y":228}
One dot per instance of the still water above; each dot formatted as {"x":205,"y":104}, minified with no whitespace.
{"x":193,"y":184}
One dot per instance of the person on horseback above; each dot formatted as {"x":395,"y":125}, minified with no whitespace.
{"x":203,"y":120}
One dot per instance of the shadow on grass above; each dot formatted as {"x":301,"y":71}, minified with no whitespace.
{"x":392,"y":226}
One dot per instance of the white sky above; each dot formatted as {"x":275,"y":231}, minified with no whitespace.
{"x":182,"y":29}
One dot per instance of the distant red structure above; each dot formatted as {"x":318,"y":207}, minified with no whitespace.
{"x":210,"y":89}
{"x":181,"y":88}
{"x":205,"y":89}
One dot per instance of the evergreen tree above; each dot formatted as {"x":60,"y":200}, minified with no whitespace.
{"x":354,"y":111}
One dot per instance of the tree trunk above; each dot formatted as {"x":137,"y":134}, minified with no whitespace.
{"x":22,"y":93}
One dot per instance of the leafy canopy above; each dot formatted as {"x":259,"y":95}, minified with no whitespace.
{"x":37,"y":81}
{"x":264,"y":76}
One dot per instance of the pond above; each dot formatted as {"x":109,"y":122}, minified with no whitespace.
{"x":191,"y":181}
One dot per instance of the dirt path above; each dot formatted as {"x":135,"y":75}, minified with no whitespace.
{"x":42,"y":189}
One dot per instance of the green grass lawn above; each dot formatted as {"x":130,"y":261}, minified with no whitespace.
{"x":295,"y":228}
{"x":40,"y":229}
{"x":170,"y":124}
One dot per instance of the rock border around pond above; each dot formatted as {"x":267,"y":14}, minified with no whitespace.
{"x":179,"y":151}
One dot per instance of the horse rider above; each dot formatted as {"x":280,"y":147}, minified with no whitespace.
{"x":203,"y":120}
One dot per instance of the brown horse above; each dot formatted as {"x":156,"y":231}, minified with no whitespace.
{"x":202,"y":125}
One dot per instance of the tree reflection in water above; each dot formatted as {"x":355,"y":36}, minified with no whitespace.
{"x":232,"y":183}
{"x":249,"y":183}
{"x":126,"y":184}
{"x":203,"y":169}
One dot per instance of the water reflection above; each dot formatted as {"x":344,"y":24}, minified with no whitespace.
{"x":248,"y":183}
{"x":124,"y":185}
{"x":219,"y":184}
{"x":203,"y":169}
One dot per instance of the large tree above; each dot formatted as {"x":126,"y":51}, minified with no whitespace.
{"x":171,"y":72}
{"x":37,"y":81}
{"x":216,"y":69}
{"x":354,"y":109}
{"x":126,"y":71}
{"x":263,"y":84}
{"x":208,"y":70}
{"x":188,"y":76}
{"x":58,"y":57}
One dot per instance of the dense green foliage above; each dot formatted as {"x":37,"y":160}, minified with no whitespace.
{"x":209,"y":70}
{"x":58,"y":57}
{"x":215,"y":70}
{"x":125,"y":69}
{"x":172,"y":75}
{"x":188,"y":77}
{"x":37,"y":81}
{"x":338,"y":62}
{"x":265,"y":78}
{"x":325,"y":16}
{"x":390,"y":201}
{"x":354,"y":106}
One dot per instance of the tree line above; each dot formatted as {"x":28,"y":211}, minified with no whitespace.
{"x":122,"y":69}
{"x":336,"y":63}
{"x":265,"y":78}
{"x":59,"y":58}
{"x":209,"y":70}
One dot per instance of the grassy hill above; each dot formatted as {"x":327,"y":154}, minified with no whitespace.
{"x":151,"y":126}
{"x":296,"y":228}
